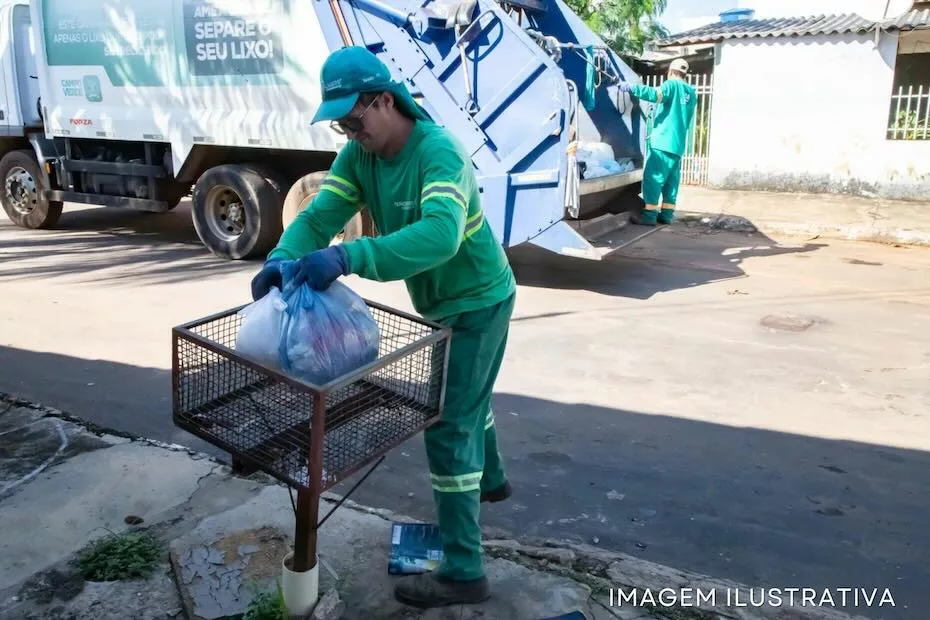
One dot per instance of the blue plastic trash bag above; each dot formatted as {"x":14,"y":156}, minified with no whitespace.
{"x":313,"y":335}
{"x":260,"y":331}
{"x":326,"y":334}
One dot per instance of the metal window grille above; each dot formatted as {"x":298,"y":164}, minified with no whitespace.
{"x":909,"y":117}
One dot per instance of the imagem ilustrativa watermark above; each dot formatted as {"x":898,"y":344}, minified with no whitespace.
{"x":752,"y":597}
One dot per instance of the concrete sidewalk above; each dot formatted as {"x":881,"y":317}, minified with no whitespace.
{"x":808,"y":215}
{"x":63,"y":485}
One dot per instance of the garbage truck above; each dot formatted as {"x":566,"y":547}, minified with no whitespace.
{"x":140,"y":103}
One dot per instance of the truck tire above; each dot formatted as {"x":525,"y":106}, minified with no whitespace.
{"x":237,"y":211}
{"x":303,"y":191}
{"x":21,"y":193}
{"x":300,"y":195}
{"x":277,"y":180}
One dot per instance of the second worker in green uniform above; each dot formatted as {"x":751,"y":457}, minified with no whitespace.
{"x":419,"y":186}
{"x":676,"y":101}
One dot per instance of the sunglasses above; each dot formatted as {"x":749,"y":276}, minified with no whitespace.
{"x":352,"y":124}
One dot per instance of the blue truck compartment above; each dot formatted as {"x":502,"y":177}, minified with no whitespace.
{"x":513,"y":88}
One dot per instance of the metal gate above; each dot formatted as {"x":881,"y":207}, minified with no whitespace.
{"x":694,"y":161}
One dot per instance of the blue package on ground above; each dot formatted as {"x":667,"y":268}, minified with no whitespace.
{"x":326,"y":334}
{"x":415,"y":548}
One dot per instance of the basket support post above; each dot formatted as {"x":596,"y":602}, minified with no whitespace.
{"x":308,"y":501}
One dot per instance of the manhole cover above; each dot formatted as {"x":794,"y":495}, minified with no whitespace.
{"x":788,"y":323}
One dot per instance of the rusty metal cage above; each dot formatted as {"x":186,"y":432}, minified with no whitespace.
{"x":307,"y":436}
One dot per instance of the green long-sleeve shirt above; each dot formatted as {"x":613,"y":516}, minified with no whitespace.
{"x":427,"y":207}
{"x":676,"y":101}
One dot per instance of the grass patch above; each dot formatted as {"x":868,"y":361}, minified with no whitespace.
{"x":267,"y":606}
{"x":120,"y":557}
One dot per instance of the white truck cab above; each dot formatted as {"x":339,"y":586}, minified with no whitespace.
{"x":20,"y":98}
{"x":21,"y":119}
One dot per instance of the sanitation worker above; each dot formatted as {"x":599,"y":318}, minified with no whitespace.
{"x":419,"y":185}
{"x":676,"y":101}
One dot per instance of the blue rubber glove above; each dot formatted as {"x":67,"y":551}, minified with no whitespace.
{"x":624,"y":87}
{"x":318,"y":269}
{"x":268,"y":277}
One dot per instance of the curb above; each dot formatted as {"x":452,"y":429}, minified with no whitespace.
{"x":101,"y":431}
{"x":606,"y":573}
{"x":859,"y":232}
{"x":609,"y":573}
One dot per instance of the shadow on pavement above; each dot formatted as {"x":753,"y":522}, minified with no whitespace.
{"x":771,"y":509}
{"x":764,"y":508}
{"x":121,"y":397}
{"x":164,"y":248}
{"x":673,"y":258}
{"x":159,"y":247}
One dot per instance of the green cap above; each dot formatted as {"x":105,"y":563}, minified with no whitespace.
{"x":352,"y":70}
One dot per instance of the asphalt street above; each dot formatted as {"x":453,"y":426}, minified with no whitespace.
{"x":749,"y":408}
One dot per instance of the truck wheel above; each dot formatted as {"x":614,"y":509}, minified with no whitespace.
{"x":300,"y":195}
{"x":277,"y":180}
{"x":236,"y":211}
{"x":21,"y":194}
{"x":303,"y":191}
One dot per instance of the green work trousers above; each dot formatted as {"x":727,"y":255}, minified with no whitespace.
{"x":661,"y":178}
{"x":462,"y":447}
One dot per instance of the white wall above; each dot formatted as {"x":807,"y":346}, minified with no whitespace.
{"x":810,"y":114}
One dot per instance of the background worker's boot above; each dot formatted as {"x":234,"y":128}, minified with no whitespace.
{"x":666,"y":216}
{"x":646,"y":217}
{"x":430,"y":590}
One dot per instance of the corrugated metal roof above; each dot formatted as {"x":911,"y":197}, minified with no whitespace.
{"x":917,"y":19}
{"x":774,"y":27}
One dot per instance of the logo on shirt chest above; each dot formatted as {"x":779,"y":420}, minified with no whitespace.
{"x":405,"y":205}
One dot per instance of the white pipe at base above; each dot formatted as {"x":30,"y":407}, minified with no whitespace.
{"x":301,"y":590}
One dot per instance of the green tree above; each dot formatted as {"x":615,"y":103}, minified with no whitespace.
{"x":625,"y":25}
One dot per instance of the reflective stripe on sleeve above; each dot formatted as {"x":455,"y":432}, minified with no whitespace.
{"x":473,"y":224}
{"x":441,"y":189}
{"x":340,"y":187}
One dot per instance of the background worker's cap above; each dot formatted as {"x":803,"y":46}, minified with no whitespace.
{"x":351,"y":71}
{"x":680,"y":65}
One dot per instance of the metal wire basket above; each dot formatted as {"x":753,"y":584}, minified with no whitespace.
{"x":307,"y":436}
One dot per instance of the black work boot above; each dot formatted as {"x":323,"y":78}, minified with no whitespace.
{"x":429,"y":590}
{"x":498,"y":494}
{"x":646,"y":217}
{"x":666,"y":216}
